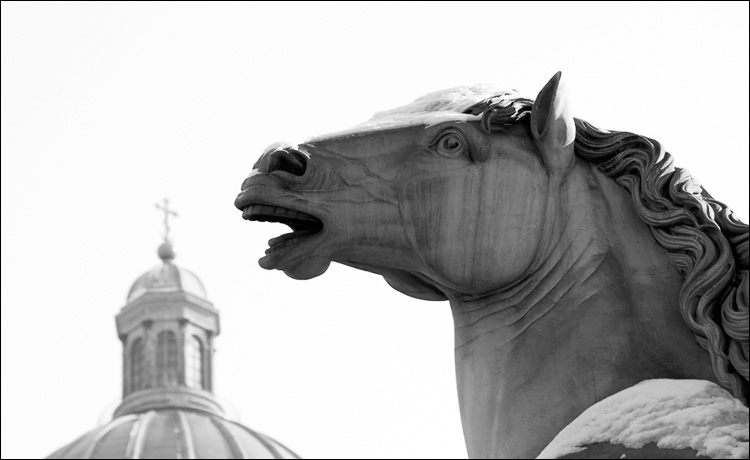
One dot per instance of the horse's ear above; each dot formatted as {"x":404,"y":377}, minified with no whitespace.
{"x":553,"y":128}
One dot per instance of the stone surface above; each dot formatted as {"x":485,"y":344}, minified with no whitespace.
{"x":578,"y":262}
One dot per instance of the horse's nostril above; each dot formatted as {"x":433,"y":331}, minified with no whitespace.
{"x":288,"y":160}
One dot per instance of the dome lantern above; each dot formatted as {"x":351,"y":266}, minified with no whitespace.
{"x":167,"y":328}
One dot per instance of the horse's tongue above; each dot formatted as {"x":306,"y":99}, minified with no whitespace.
{"x":279,"y":240}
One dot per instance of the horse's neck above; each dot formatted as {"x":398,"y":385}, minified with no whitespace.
{"x":599,"y":314}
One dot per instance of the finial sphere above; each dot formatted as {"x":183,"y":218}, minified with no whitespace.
{"x":166,"y":252}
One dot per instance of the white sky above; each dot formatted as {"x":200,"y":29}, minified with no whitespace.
{"x":108,"y":108}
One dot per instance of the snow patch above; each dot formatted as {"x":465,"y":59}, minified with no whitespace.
{"x":277,"y":145}
{"x":675,"y":414}
{"x":431,"y":109}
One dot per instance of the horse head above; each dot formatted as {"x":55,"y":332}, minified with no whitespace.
{"x":555,"y":242}
{"x":422,"y":201}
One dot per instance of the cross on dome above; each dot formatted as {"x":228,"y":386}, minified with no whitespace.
{"x":167,"y":213}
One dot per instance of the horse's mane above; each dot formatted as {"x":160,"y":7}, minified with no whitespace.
{"x":705,"y":241}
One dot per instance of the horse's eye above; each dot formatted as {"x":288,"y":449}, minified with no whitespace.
{"x":449,"y":144}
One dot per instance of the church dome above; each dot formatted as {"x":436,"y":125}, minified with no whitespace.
{"x":173,"y":433}
{"x":167,"y":277}
{"x":168,"y":410}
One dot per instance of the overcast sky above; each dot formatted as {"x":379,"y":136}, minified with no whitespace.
{"x":109,"y":108}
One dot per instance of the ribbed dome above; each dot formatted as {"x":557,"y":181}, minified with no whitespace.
{"x":173,"y":433}
{"x":167,"y":277}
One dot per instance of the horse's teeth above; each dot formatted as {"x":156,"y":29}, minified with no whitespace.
{"x":264,"y":213}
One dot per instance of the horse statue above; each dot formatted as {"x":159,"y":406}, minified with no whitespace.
{"x":578,"y":262}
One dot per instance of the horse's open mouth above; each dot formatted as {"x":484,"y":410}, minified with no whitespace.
{"x":303,"y":225}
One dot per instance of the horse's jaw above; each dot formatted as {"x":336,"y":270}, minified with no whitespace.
{"x":411,"y":283}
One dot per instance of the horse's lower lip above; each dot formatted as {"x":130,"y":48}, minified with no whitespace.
{"x":286,"y":249}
